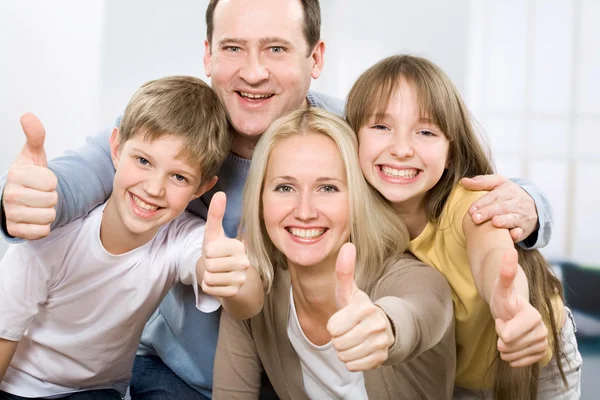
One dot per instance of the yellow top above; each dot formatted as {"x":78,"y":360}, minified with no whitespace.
{"x":444,"y":247}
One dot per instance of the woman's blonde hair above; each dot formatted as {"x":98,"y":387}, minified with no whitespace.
{"x":440,"y":101}
{"x":375,"y":229}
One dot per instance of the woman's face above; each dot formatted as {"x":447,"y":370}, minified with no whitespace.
{"x":305,"y":200}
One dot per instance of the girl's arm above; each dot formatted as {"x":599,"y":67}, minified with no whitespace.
{"x":522,"y":334}
{"x":7,"y":350}
{"x":237,"y":364}
{"x":486,"y":246}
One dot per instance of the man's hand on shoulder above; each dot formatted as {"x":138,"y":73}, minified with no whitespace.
{"x":507,"y":205}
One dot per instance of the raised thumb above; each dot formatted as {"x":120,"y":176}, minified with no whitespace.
{"x":344,"y":272}
{"x":33,"y":151}
{"x":214,"y":220}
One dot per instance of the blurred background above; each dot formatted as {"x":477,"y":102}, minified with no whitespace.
{"x":528,"y":69}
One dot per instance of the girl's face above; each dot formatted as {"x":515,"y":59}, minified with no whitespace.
{"x":402,"y":155}
{"x":305,"y":200}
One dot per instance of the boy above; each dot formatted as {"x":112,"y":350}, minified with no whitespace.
{"x":73,"y":305}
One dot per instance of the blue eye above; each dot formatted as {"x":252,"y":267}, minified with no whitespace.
{"x":426,"y":133}
{"x":231,"y":49}
{"x":329,"y":189}
{"x":283,"y":188}
{"x":277,"y":49}
{"x":180,"y":178}
{"x":143,"y":161}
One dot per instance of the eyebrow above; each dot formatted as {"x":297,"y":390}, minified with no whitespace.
{"x":182,"y":171}
{"x":320,"y":179}
{"x":380,"y":116}
{"x":275,"y":39}
{"x":262,"y":41}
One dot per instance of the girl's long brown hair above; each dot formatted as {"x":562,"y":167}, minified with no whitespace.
{"x":440,"y":101}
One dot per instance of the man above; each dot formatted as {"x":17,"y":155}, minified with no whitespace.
{"x":260,"y":56}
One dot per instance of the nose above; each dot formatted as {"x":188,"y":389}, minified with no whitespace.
{"x":401,"y":145}
{"x":154,"y":185}
{"x":254,"y":71}
{"x":305,"y":210}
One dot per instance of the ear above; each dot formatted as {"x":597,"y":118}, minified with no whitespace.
{"x":207,"y":59}
{"x":205,"y":187}
{"x":115,"y":147}
{"x":318,"y":58}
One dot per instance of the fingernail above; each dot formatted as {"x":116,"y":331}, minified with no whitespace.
{"x":501,"y":220}
{"x":478,"y":217}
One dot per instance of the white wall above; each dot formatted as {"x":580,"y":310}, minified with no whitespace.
{"x":50,"y":65}
{"x":534,"y":84}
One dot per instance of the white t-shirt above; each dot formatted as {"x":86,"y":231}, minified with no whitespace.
{"x":78,"y":311}
{"x":324,"y":375}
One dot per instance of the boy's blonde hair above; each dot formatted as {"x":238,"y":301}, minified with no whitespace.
{"x":181,"y":106}
{"x":377,"y":231}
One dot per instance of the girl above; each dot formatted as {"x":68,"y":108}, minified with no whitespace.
{"x":336,"y":323}
{"x":416,"y":143}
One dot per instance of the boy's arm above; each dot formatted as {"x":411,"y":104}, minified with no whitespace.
{"x":7,"y":350}
{"x":514,"y":204}
{"x":84,"y":180}
{"x":225,"y":269}
{"x":22,"y":290}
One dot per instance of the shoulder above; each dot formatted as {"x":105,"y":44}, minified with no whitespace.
{"x":329,"y":103}
{"x":457,"y":205}
{"x":461,"y":196}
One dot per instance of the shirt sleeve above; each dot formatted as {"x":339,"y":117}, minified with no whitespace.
{"x":22,"y":290}
{"x":237,"y":363}
{"x":420,"y":322}
{"x":190,"y":234}
{"x":85,"y":179}
{"x":541,"y":237}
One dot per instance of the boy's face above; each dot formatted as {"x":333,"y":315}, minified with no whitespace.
{"x":153,"y":184}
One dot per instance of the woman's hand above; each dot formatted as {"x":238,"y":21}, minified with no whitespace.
{"x":361,"y":332}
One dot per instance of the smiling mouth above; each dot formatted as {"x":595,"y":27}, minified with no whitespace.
{"x":254,"y":96}
{"x":142,"y":205}
{"x":399,"y":173}
{"x":306,"y":233}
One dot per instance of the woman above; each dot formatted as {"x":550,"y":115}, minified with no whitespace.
{"x":337,"y":323}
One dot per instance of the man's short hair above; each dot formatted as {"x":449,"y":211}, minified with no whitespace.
{"x":185,"y":107}
{"x":312,"y":22}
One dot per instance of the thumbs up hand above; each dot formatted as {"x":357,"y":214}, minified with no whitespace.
{"x":522,"y":334}
{"x":224,"y":262}
{"x":360,"y":331}
{"x":30,"y":193}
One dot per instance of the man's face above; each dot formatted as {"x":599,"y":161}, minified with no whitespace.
{"x":259,"y":62}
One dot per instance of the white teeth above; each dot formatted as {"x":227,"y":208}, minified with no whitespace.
{"x":143,"y":205}
{"x":255,"y":96}
{"x":306,"y":233}
{"x":399,"y":173}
